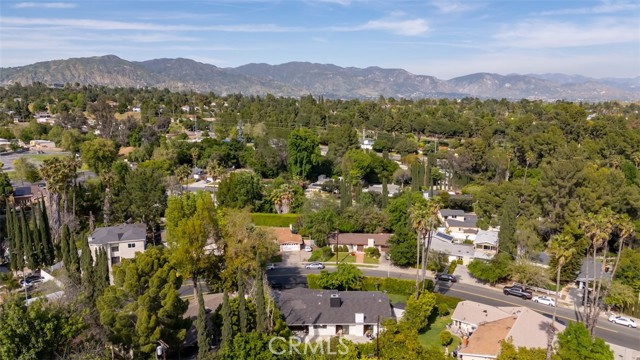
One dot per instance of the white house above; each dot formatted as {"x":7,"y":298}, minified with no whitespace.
{"x":120,"y":242}
{"x":327,"y":313}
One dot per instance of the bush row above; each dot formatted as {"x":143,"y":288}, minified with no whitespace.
{"x":276,"y":220}
{"x":390,"y":285}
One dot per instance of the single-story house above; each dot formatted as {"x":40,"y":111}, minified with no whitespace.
{"x":287,"y":240}
{"x":487,"y":325}
{"x":120,"y":242}
{"x":359,"y":242}
{"x":444,"y":243}
{"x":42,"y":144}
{"x":392,"y":189}
{"x":332,"y":313}
{"x":486,"y":244}
{"x":589,"y":273}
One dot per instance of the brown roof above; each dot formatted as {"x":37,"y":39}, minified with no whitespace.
{"x":486,"y":339}
{"x":360,"y":239}
{"x":285,"y":236}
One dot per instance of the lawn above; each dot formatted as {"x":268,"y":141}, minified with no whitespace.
{"x":343,"y":258}
{"x":371,"y":260}
{"x":432,"y":336}
{"x":397,"y":298}
{"x":43,"y":157}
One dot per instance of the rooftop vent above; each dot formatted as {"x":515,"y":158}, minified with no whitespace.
{"x":335,"y":301}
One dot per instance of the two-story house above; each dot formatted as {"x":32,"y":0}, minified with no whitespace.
{"x":120,"y":242}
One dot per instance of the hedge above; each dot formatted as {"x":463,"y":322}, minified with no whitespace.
{"x":275,"y":220}
{"x":393,"y":286}
{"x":452,"y":267}
{"x":313,"y":281}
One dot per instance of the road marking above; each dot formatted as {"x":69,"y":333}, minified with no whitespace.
{"x":516,"y":304}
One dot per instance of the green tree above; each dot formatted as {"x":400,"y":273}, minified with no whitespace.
{"x":418,"y":310}
{"x":143,"y":197}
{"x":99,"y":154}
{"x":509,"y":352}
{"x":575,"y":343}
{"x":620,"y":296}
{"x":227,"y":332}
{"x":26,"y":170}
{"x":446,"y":338}
{"x":562,"y":248}
{"x":320,"y":223}
{"x":202,"y":326}
{"x":101,"y":273}
{"x":37,"y":331}
{"x":87,"y":275}
{"x":144,"y":306}
{"x":346,"y":277}
{"x":492,"y":271}
{"x":507,"y":235}
{"x":239,"y":190}
{"x":261,"y":311}
{"x":242,"y":304}
{"x":303,"y":152}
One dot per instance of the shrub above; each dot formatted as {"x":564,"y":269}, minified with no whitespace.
{"x":443,"y":310}
{"x":372,"y":252}
{"x":460,"y":262}
{"x":275,"y":220}
{"x":445,"y":338}
{"x":327,"y":253}
{"x":313,"y":281}
{"x":394,"y":286}
{"x":452,"y":267}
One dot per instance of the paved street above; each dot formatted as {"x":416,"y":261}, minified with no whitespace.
{"x":292,"y":276}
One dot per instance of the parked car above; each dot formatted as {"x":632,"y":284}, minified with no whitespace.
{"x":544,"y":300}
{"x":308,"y":248}
{"x":446,"y":277}
{"x":30,"y":281}
{"x":315,"y":265}
{"x":270,"y":267}
{"x":621,"y":320}
{"x":517,"y":290}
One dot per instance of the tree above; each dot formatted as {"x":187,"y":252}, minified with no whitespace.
{"x":37,"y":331}
{"x":25,"y":170}
{"x":202,"y":326}
{"x":242,"y":304}
{"x":346,"y":277}
{"x":509,"y":352}
{"x":507,"y":234}
{"x":261,"y":311}
{"x":57,"y":173}
{"x":143,"y":197}
{"x":418,"y":310}
{"x":239,"y":190}
{"x":227,"y":334}
{"x":492,"y":271}
{"x":144,"y":306}
{"x":87,"y":275}
{"x":575,"y":343}
{"x":99,"y":154}
{"x":319,"y":224}
{"x":424,"y":219}
{"x":446,"y":338}
{"x":619,"y":296}
{"x":282,"y":198}
{"x":303,"y":152}
{"x":192,"y":228}
{"x":561,"y":247}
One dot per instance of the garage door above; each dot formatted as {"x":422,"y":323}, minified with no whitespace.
{"x":290,"y":247}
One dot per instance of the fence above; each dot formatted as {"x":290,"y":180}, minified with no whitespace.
{"x":537,"y":289}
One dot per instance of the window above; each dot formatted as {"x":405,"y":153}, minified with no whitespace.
{"x":131,"y":245}
{"x":114,"y":249}
{"x":319,"y":326}
{"x":115,"y":260}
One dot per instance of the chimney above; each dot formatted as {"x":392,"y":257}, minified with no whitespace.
{"x":335,"y":301}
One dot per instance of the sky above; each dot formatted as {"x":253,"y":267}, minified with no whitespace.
{"x":441,"y":38}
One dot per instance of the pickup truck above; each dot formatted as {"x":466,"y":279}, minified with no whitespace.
{"x":517,"y":290}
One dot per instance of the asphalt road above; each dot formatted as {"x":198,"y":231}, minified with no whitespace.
{"x":616,"y":334}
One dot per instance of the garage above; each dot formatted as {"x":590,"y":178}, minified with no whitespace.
{"x":289,"y":247}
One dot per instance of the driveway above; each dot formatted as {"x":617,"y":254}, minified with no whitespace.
{"x":293,"y":258}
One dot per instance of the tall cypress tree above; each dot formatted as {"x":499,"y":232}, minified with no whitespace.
{"x":35,"y":236}
{"x":201,"y":325}
{"x":242,"y":305}
{"x":227,"y":330}
{"x":17,"y":236}
{"x":74,"y":260}
{"x":507,"y":234}
{"x":101,"y":273}
{"x":28,"y":247}
{"x":87,"y":277}
{"x":10,"y":214}
{"x":385,"y":192}
{"x":261,"y":312}
{"x":45,"y":234}
{"x":415,"y":176}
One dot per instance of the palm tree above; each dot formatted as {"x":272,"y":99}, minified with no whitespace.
{"x":214,"y":170}
{"x":424,"y":219}
{"x":625,"y":229}
{"x":56,"y":173}
{"x":529,"y":157}
{"x":183,"y":172}
{"x":282,"y":198}
{"x":562,"y":248}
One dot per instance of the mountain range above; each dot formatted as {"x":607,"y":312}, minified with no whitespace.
{"x":303,"y":78}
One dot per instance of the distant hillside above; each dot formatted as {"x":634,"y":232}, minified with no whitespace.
{"x":302,"y":78}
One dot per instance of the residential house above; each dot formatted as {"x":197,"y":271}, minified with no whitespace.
{"x":444,"y":243}
{"x":486,"y":244}
{"x":28,"y":194}
{"x":120,"y":242}
{"x":359,"y":242}
{"x":287,"y":240}
{"x":43,"y":118}
{"x":487,"y":325}
{"x":366,"y":144}
{"x":459,"y":224}
{"x":42,"y":144}
{"x":392,"y":189}
{"x":5,"y":144}
{"x":588,"y":272}
{"x":327,"y":313}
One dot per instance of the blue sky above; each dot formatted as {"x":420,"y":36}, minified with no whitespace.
{"x":443,"y":38}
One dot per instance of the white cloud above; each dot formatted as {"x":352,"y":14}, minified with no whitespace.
{"x":607,"y":7}
{"x":121,"y":25}
{"x":401,"y":27}
{"x":44,"y":5}
{"x":541,"y":34}
{"x":450,"y":6}
{"x":339,"y":2}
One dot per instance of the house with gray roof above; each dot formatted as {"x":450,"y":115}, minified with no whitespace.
{"x":459,"y":224}
{"x":320,"y":313}
{"x":455,"y":251}
{"x":120,"y":242}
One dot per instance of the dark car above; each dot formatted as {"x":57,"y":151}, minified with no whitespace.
{"x":446,"y":277}
{"x":517,"y":290}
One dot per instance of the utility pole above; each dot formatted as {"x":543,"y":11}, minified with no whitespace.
{"x":337,"y":235}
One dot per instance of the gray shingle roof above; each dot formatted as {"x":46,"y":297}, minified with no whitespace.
{"x":469,"y":221}
{"x":120,"y":233}
{"x":301,"y":306}
{"x":452,"y":249}
{"x":451,"y":212}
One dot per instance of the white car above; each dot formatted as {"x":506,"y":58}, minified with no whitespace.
{"x":315,"y":265}
{"x":271,"y":267}
{"x":621,"y":320}
{"x":544,"y":300}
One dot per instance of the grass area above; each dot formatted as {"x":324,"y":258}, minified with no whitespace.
{"x":371,"y":260}
{"x":397,"y":298}
{"x":44,"y":288}
{"x":431,"y":337}
{"x":342,"y":258}
{"x":43,"y":157}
